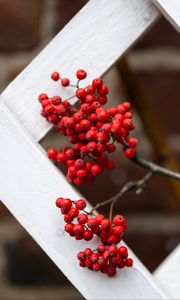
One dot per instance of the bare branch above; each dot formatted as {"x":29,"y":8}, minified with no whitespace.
{"x":139,"y":186}
{"x":154,"y":168}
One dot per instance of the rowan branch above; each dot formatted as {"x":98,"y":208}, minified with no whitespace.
{"x":139,"y":186}
{"x":154,"y":168}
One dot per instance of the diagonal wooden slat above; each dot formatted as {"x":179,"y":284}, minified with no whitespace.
{"x":168,"y":274}
{"x":29,"y":185}
{"x":171,"y":11}
{"x":95,"y":38}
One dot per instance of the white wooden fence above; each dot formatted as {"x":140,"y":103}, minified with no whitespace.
{"x":94,"y":39}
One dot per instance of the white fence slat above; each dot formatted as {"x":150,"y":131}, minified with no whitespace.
{"x":98,"y":35}
{"x":171,"y":10}
{"x":168,"y":274}
{"x":29,"y":185}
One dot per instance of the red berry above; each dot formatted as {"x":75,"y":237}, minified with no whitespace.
{"x":86,"y":108}
{"x":60,"y":110}
{"x":102,"y":262}
{"x":94,"y":257}
{"x":73,"y":212}
{"x":88,"y":235}
{"x":101,"y":248}
{"x":82,"y":264}
{"x":81,"y":93}
{"x":121,"y":265}
{"x":106,"y":224}
{"x":118,"y":231}
{"x":81,"y":173}
{"x":80,"y":204}
{"x":81,"y":256}
{"x":96,"y":267}
{"x":103,"y":91}
{"x":61,"y":157}
{"x":43,"y":97}
{"x":92,"y":223}
{"x":111,"y":239}
{"x":88,"y":252}
{"x":97,"y":83}
{"x":126,"y":105}
{"x":96,"y":169}
{"x":85,"y":125}
{"x":123,"y":251}
{"x":49,"y":109}
{"x":116,"y":259}
{"x":111,"y":271}
{"x":111,"y":148}
{"x":68,"y":218}
{"x":106,"y":255}
{"x":99,"y":218}
{"x":102,"y":100}
{"x":90,"y":90}
{"x":66,"y":205}
{"x":82,"y":218}
{"x":91,"y":146}
{"x":52,"y":153}
{"x":120,"y":109}
{"x":132,"y":142}
{"x":130,"y":153}
{"x":78,"y":180}
{"x":69,"y":227}
{"x":129,"y":262}
{"x":127,"y":124}
{"x":90,"y":99}
{"x":55,"y":76}
{"x":78,"y":229}
{"x":81,"y":74}
{"x":59,"y":201}
{"x":112,"y":250}
{"x":79,"y":164}
{"x":65,"y":82}
{"x":119,"y":220}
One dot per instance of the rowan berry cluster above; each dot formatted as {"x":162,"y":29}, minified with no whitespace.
{"x":91,"y":128}
{"x":82,"y":225}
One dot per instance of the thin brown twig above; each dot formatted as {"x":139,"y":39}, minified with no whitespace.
{"x":138,"y":185}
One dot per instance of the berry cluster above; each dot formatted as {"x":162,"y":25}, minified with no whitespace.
{"x":92,"y":129}
{"x":107,"y":257}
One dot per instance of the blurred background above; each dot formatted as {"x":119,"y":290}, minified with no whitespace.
{"x":149,"y":77}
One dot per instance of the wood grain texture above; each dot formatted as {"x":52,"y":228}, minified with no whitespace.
{"x":171,"y":10}
{"x":94,"y":39}
{"x":168,"y":274}
{"x":29,"y":185}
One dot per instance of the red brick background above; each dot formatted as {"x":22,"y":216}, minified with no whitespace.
{"x":25,"y":27}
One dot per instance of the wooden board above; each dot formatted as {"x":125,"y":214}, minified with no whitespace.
{"x":171,"y":11}
{"x":168,"y":274}
{"x":98,"y":35}
{"x":30,"y":183}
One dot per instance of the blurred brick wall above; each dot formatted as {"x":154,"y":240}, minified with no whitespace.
{"x":25,"y":28}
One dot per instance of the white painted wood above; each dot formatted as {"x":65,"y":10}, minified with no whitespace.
{"x":98,"y":35}
{"x":171,"y":10}
{"x":168,"y":274}
{"x":29,"y":185}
